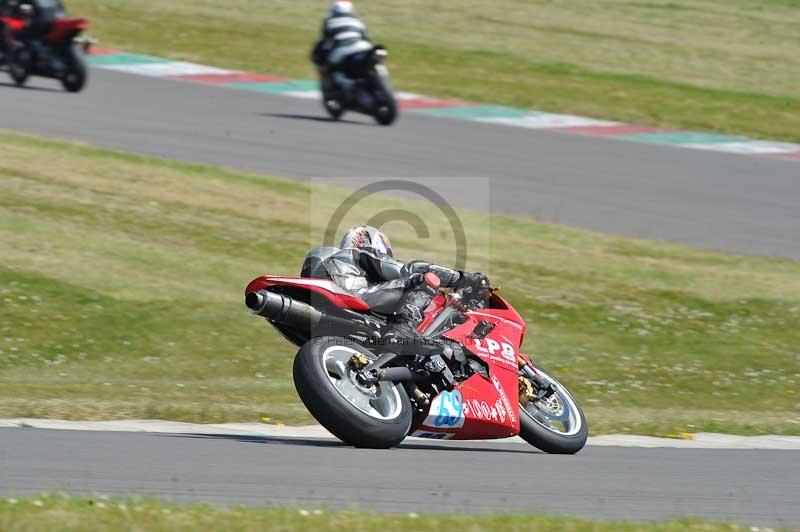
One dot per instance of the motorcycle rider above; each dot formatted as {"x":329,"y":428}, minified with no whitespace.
{"x":365,"y":266}
{"x":343,"y":35}
{"x":41,"y":16}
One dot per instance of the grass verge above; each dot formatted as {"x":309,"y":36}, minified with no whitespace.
{"x":121,"y":297}
{"x":729,"y":66}
{"x":59,"y":512}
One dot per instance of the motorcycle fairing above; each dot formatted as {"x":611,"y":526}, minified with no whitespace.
{"x":62,"y":30}
{"x":328,"y":289}
{"x":14,"y":24}
{"x":480,"y":407}
{"x":435,"y":306}
{"x":65,"y":28}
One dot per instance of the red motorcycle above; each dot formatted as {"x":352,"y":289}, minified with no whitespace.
{"x":59,"y":54}
{"x":477,"y":385}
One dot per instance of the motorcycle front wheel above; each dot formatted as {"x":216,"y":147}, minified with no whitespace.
{"x":334,"y":107}
{"x":374,"y":416}
{"x":556,"y":424}
{"x":386,"y":110}
{"x":386,"y":113}
{"x":75,"y":77}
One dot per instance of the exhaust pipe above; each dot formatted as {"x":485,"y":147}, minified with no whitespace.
{"x":283,"y":309}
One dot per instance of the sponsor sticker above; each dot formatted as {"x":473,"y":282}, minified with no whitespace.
{"x":504,"y":398}
{"x":502,"y":360}
{"x":432,"y":435}
{"x":501,"y":410}
{"x":447,"y":410}
{"x":476,"y":408}
{"x":494,"y":348}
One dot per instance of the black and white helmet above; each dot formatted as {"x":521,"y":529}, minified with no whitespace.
{"x":341,"y":7}
{"x":367,"y":237}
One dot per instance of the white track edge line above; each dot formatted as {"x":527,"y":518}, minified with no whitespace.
{"x":534,"y":120}
{"x":698,"y":441}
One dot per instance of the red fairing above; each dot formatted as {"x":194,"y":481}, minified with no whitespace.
{"x":333,"y":292}
{"x":503,"y":310}
{"x":491,"y":408}
{"x":480,"y":407}
{"x":13,"y":23}
{"x":66,"y":28}
{"x":436,"y":305}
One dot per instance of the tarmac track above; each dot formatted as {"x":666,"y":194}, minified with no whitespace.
{"x":728,"y":202}
{"x":719,"y":201}
{"x":755,"y":487}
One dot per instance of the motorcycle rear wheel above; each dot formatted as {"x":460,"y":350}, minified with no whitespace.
{"x":377,"y":416}
{"x":556,"y":425}
{"x":18,"y":67}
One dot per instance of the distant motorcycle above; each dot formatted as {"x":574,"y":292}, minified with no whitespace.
{"x":58,"y":55}
{"x":371,"y":92}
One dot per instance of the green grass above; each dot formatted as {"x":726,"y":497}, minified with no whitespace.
{"x":730,"y":66}
{"x":121,"y":296}
{"x":59,"y":512}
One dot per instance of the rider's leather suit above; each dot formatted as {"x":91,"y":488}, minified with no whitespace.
{"x":341,"y":36}
{"x":388,"y":286}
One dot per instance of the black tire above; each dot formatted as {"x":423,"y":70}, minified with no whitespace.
{"x":337,"y":414}
{"x":18,"y":67}
{"x":75,"y":77}
{"x":546,"y":440}
{"x":334,"y":107}
{"x":386,"y":112}
{"x":386,"y":115}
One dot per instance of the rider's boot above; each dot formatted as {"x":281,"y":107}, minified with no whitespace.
{"x":402,"y":336}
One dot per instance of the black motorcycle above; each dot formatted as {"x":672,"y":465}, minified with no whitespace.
{"x":370,"y":93}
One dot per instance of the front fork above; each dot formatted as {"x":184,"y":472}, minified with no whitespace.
{"x":531,"y":385}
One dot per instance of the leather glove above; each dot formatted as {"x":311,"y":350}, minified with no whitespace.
{"x":471,"y":283}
